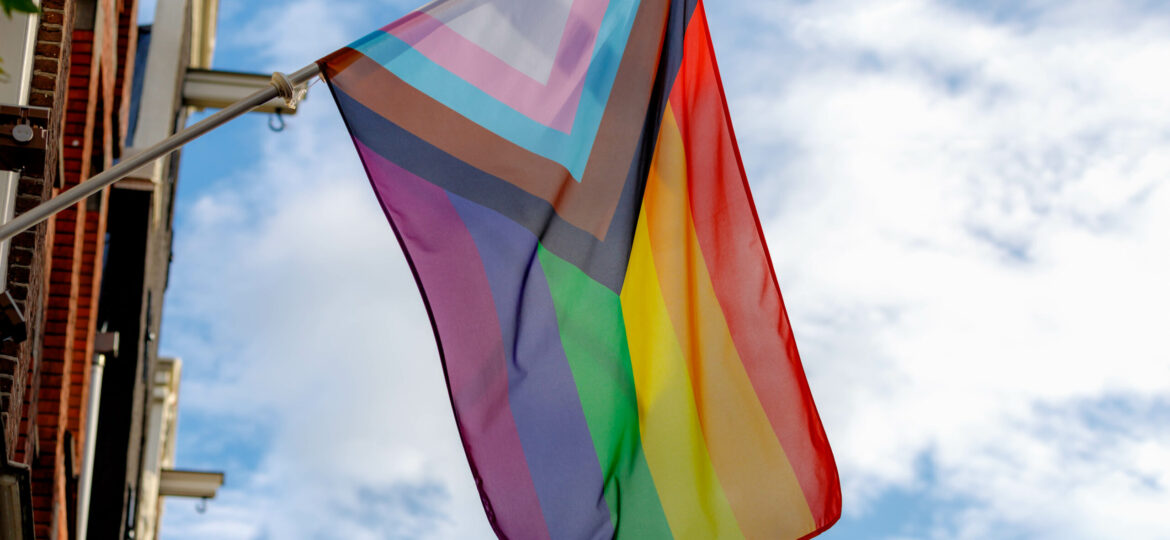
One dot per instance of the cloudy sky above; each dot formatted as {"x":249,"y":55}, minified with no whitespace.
{"x":968,"y":204}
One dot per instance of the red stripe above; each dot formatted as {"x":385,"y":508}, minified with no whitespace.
{"x":733,"y":245}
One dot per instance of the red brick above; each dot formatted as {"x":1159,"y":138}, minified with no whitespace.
{"x":44,"y":81}
{"x":19,"y":273}
{"x":42,"y":503}
{"x":45,"y":48}
{"x":57,"y":302}
{"x":48,"y":33}
{"x":40,"y":100}
{"x":81,"y":63}
{"x":18,"y":291}
{"x":52,"y":16}
{"x":26,"y":240}
{"x":45,"y":65}
{"x":21,"y":257}
{"x":64,"y":243}
{"x":54,"y":341}
{"x":59,"y":288}
{"x":24,"y":204}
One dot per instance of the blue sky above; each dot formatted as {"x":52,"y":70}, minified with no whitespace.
{"x":966,"y":203}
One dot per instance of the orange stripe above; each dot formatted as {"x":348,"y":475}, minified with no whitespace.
{"x":756,"y":475}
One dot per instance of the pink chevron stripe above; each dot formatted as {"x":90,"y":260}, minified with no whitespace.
{"x":553,"y":104}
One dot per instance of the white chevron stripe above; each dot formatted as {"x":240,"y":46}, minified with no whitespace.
{"x":494,"y":25}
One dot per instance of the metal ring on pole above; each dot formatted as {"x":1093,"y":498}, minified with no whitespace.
{"x":67,"y":198}
{"x":286,"y":90}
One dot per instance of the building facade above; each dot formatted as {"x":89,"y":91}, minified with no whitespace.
{"x":87,"y":408}
{"x":75,"y":73}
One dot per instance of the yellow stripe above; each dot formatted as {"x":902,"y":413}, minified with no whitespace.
{"x":751,"y":464}
{"x":691,"y":496}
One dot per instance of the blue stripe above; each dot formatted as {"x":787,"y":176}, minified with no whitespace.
{"x":571,"y":150}
{"x":541,"y":390}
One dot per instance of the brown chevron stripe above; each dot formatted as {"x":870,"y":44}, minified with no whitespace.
{"x":588,"y":204}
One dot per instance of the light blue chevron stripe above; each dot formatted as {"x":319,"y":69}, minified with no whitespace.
{"x":570,"y":150}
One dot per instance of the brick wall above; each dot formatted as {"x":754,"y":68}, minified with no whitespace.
{"x":60,"y":326}
{"x":28,"y":261}
{"x":55,"y":268}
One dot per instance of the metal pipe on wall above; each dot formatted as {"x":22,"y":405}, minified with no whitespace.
{"x":85,"y":483}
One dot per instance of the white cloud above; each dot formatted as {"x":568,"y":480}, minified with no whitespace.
{"x":969,"y":215}
{"x":146,"y":12}
{"x":970,"y":226}
{"x":310,"y":362}
{"x":290,"y":292}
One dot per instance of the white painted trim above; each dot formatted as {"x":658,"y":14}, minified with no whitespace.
{"x":218,"y":89}
{"x":162,"y":80}
{"x":18,"y":64}
{"x":199,"y":484}
{"x":204,"y":21}
{"x":158,"y":450}
{"x":8,"y":182}
{"x":18,"y":55}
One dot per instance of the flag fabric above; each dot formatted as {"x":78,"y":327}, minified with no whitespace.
{"x":563,"y":178}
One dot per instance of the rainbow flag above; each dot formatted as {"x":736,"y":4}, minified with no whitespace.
{"x":564,"y":180}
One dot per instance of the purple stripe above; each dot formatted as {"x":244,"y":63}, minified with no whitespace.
{"x":541,"y":388}
{"x":455,"y":288}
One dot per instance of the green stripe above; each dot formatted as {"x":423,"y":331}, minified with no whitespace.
{"x":594,"y":337}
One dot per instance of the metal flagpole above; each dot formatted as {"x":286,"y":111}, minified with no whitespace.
{"x":282,"y":86}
